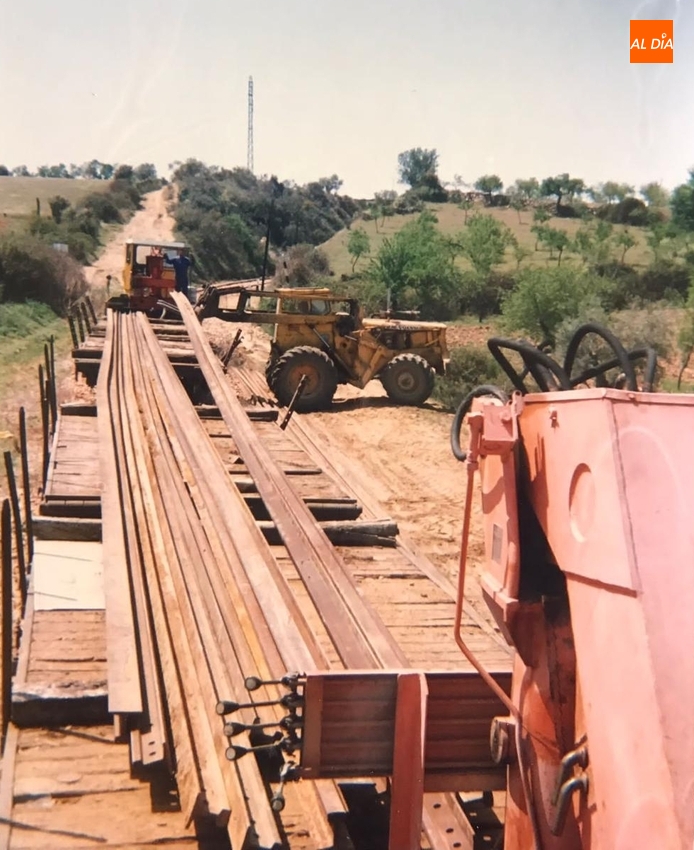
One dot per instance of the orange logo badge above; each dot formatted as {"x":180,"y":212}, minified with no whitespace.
{"x":651,"y":41}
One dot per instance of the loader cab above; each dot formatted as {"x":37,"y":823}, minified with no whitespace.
{"x":148,"y":274}
{"x":318,"y":313}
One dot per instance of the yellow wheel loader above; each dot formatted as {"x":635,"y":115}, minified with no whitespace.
{"x":325,"y":338}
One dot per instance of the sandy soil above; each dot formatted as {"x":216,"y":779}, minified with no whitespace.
{"x":406,"y":451}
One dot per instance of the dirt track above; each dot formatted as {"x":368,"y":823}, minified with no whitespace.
{"x":404,"y":451}
{"x":151,"y":222}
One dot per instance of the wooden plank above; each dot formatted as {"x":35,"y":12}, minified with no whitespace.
{"x":124,"y":691}
{"x":9,"y":761}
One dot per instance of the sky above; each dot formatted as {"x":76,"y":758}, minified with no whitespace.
{"x":519,"y":88}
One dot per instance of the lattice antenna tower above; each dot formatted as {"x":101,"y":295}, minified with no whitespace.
{"x":250,"y":124}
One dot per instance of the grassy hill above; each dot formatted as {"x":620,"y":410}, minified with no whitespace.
{"x":18,"y":195}
{"x":452,"y":220}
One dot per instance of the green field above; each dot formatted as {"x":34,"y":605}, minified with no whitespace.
{"x":18,"y":194}
{"x":452,"y":220}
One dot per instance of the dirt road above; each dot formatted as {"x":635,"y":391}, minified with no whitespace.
{"x":151,"y":222}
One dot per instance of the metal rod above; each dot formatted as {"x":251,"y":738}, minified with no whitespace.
{"x":19,"y":536}
{"x":50,"y":387}
{"x":54,"y":381}
{"x":44,"y":423}
{"x":6,"y":581}
{"x":92,"y":311}
{"x":73,"y":331}
{"x":85,"y":316}
{"x":232,"y":348}
{"x":295,"y":399}
{"x":26,"y":485}
{"x":80,"y":323}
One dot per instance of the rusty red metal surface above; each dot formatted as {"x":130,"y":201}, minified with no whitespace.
{"x":590,"y":575}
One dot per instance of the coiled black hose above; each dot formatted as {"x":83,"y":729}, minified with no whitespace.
{"x":552,"y":376}
{"x":607,"y":336}
{"x":464,"y":409}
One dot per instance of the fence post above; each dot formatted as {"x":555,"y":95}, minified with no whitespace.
{"x":80,"y":325}
{"x":7,"y":623}
{"x":73,"y":331}
{"x":92,"y":311}
{"x":44,"y":424}
{"x":19,"y":536}
{"x":85,"y":315}
{"x":50,"y":386}
{"x":26,"y":485}
{"x":54,"y":377}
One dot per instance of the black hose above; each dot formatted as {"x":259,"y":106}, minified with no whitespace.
{"x":635,"y":354}
{"x":464,"y":409}
{"x":623,"y":360}
{"x":534,"y":360}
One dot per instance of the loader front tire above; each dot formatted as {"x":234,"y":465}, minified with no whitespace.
{"x":321,"y":375}
{"x":408,"y":379}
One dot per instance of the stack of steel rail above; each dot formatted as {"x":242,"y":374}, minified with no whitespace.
{"x":196,"y":600}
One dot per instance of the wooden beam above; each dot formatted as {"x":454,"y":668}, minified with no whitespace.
{"x":73,"y":528}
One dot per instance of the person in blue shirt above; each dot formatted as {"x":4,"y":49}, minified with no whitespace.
{"x":182,"y":266}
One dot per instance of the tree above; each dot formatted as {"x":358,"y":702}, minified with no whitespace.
{"x":418,"y":266}
{"x":540,"y":217}
{"x":145,"y":171}
{"x":560,"y":186}
{"x":528,"y":189}
{"x":466,"y":205}
{"x":543,"y":298}
{"x":415,"y":164}
{"x":331,"y":185}
{"x":4,"y":171}
{"x":484,"y":242}
{"x":655,"y":195}
{"x":556,"y":240}
{"x":518,"y":204}
{"x":58,"y":205}
{"x":383,"y":204}
{"x":611,"y":192}
{"x":520,"y":253}
{"x":358,"y":244}
{"x":625,"y":241}
{"x":124,"y":172}
{"x":488,"y":184}
{"x":21,"y":171}
{"x":682,"y":204}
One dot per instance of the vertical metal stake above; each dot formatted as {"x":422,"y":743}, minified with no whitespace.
{"x":85,"y":316}
{"x":73,"y":331}
{"x":92,"y":311}
{"x":6,"y":581}
{"x":19,"y":536}
{"x":26,"y":485}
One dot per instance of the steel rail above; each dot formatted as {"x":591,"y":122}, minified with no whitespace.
{"x":360,"y":637}
{"x":251,"y":570}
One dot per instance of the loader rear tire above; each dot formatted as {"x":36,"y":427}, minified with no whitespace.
{"x":408,"y":379}
{"x":321,"y":373}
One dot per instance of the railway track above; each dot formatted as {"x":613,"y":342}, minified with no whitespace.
{"x":234,"y":549}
